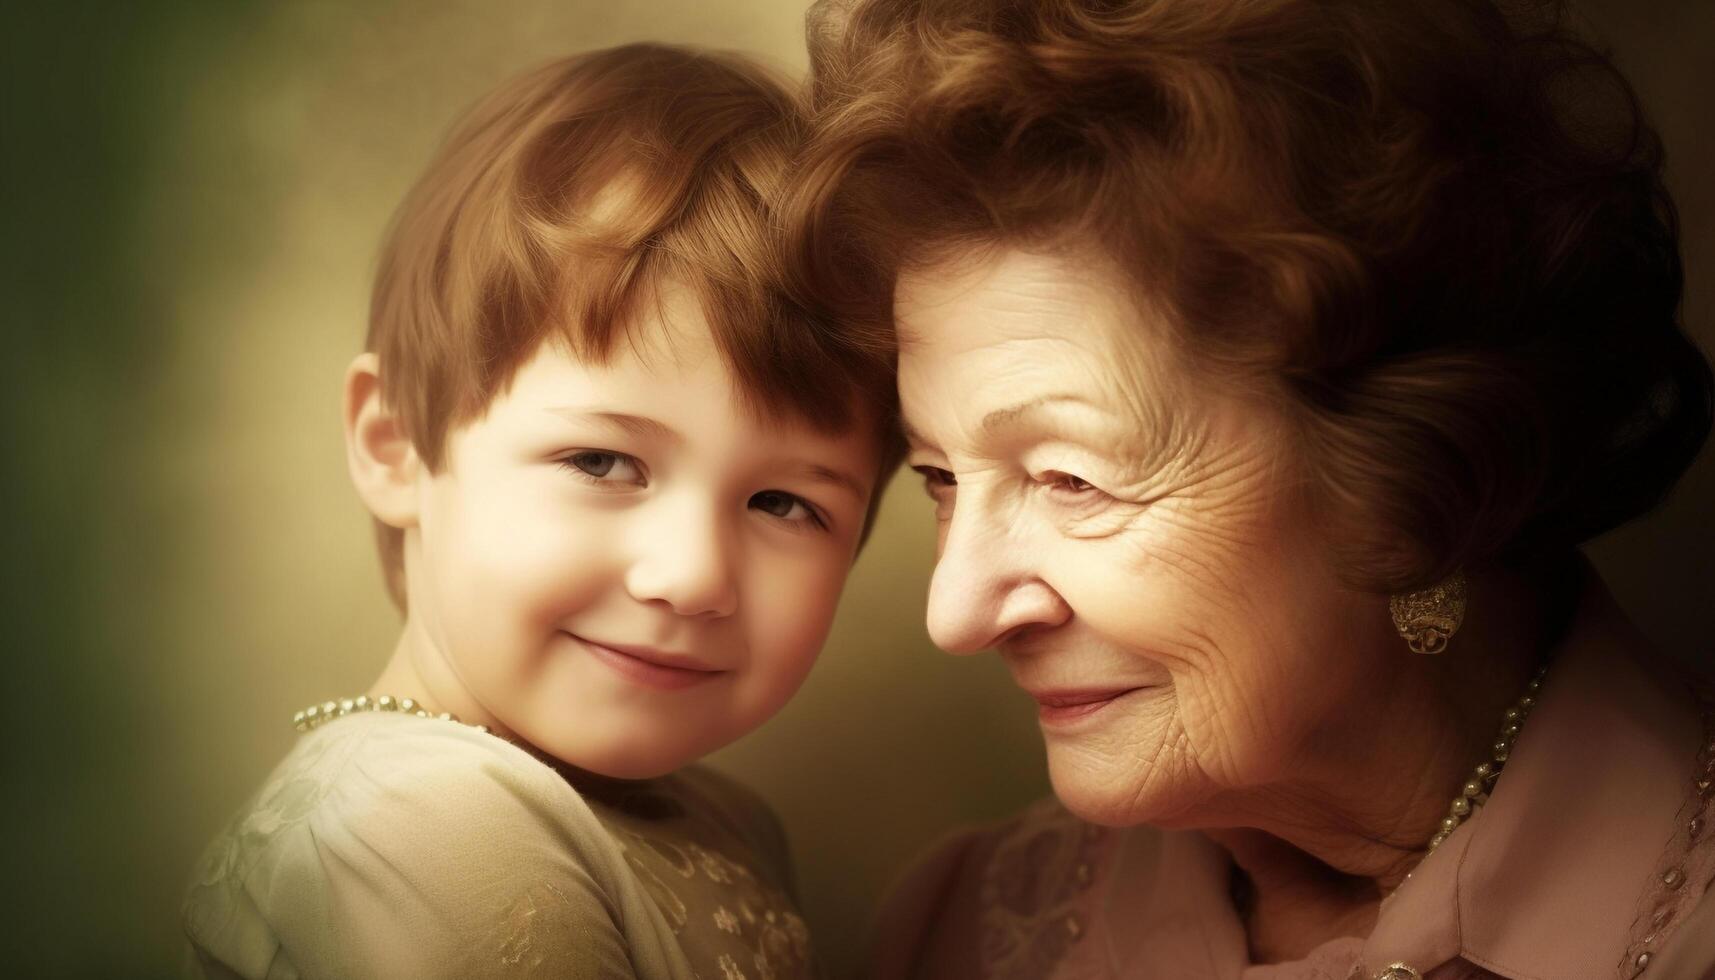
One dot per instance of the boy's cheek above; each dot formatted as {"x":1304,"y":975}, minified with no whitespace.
{"x":792,"y":618}
{"x":532,"y":546}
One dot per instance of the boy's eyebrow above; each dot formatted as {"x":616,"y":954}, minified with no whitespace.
{"x":833,"y":477}
{"x":644,"y":426}
{"x":637,"y":425}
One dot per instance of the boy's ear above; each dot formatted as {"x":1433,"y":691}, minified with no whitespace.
{"x":384,"y":465}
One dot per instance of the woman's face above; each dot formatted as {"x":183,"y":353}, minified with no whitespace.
{"x":1127,"y":535}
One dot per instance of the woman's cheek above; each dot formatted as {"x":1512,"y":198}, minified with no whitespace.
{"x":1122,"y":589}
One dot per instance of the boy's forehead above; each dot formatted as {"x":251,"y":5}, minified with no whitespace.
{"x":667,"y":362}
{"x":670,"y":325}
{"x":665,"y":354}
{"x":667,"y":326}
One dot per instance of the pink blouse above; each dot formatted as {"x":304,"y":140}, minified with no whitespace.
{"x":1593,"y":858}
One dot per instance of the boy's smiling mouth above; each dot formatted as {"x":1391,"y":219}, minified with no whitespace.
{"x":650,"y":667}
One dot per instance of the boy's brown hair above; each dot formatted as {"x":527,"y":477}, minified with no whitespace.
{"x":564,"y":200}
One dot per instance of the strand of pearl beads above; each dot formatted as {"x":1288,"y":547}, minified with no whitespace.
{"x":320,"y":714}
{"x":1475,"y":792}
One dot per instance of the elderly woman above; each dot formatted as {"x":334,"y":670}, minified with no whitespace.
{"x":1267,"y":362}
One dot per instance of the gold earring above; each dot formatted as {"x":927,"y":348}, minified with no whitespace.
{"x":1428,"y":618}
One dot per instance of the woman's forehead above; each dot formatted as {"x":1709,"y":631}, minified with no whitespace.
{"x":1006,"y":287}
{"x":1030,"y":319}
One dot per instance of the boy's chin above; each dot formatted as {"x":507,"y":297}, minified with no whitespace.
{"x":635,"y":769}
{"x":620,"y":761}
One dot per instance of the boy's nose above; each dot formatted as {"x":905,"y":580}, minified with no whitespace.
{"x":685,"y":564}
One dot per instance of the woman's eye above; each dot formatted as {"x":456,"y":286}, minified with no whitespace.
{"x":941,"y":486}
{"x":934,"y":478}
{"x":1068,"y":485}
{"x":787,"y":507}
{"x":604,"y":467}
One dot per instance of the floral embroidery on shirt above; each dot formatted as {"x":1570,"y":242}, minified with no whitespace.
{"x":753,"y":925}
{"x":527,"y":937}
{"x":677,"y":859}
{"x":1030,"y":892}
{"x":716,"y":867}
{"x":1689,"y":857}
{"x":666,"y":899}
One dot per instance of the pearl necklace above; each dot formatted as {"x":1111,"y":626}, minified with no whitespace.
{"x":1472,"y":795}
{"x":1476,"y":790}
{"x":319,"y":714}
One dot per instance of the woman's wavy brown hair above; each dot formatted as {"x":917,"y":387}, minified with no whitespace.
{"x":1436,"y":230}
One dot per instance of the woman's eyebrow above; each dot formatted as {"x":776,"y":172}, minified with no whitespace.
{"x":637,"y":425}
{"x":996,"y":420}
{"x":1001,"y":417}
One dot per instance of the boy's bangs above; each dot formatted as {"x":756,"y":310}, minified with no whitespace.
{"x":784,"y":364}
{"x":574,"y":194}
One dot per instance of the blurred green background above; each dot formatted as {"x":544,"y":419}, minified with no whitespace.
{"x":194,"y":193}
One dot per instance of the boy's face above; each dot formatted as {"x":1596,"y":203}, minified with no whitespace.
{"x":619,"y":565}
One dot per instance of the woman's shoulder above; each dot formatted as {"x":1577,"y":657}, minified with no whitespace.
{"x":1012,"y":890}
{"x":932,"y":907}
{"x":1043,"y":849}
{"x":386,"y":840}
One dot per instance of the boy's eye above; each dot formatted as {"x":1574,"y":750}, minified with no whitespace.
{"x":785,"y":506}
{"x":605,"y":466}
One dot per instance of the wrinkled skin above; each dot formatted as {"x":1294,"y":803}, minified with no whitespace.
{"x":1113,"y":518}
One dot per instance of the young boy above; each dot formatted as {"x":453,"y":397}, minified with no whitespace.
{"x":619,"y":479}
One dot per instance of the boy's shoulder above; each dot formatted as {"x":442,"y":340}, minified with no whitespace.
{"x":397,"y":775}
{"x":398,"y":822}
{"x":368,"y":766}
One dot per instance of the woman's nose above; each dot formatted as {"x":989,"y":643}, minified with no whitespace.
{"x":987,"y":585}
{"x":684,"y":561}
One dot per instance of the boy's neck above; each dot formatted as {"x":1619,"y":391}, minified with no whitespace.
{"x":417,"y":671}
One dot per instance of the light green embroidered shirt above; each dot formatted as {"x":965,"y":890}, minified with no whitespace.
{"x":387,"y":845}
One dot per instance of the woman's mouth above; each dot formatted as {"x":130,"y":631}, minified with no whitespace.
{"x":649,"y":667}
{"x":1054,"y":708}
